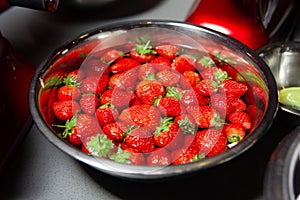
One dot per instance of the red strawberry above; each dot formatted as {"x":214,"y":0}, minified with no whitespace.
{"x":209,"y":73}
{"x":183,"y":63}
{"x":122,"y":99}
{"x":125,"y":80}
{"x":168,"y":77}
{"x":140,"y":139}
{"x":159,"y":157}
{"x":240,"y":118}
{"x":186,"y":155}
{"x":146,"y":70}
{"x":123,"y":64}
{"x":161,"y":60}
{"x":255,"y":114}
{"x":141,"y":115}
{"x":168,"y":51}
{"x":68,"y":92}
{"x":234,"y":132}
{"x":149,"y":90}
{"x":211,"y":141}
{"x":94,"y":84}
{"x":89,"y":103}
{"x":106,"y":114}
{"x":115,"y":130}
{"x":128,"y":155}
{"x":111,"y":56}
{"x":65,"y":110}
{"x":234,"y":88}
{"x":189,"y":79}
{"x":168,"y":134}
{"x":204,"y":116}
{"x":74,"y":77}
{"x":169,"y":106}
{"x":143,"y":52}
{"x":206,"y":87}
{"x":95,"y":67}
{"x":190,"y":97}
{"x":80,"y":127}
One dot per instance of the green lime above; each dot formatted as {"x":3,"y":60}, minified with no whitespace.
{"x":290,"y":96}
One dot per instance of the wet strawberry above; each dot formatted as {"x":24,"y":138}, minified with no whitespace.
{"x":168,"y":134}
{"x":115,"y":130}
{"x":189,"y":79}
{"x":143,"y":115}
{"x":106,"y":114}
{"x":74,"y":77}
{"x":95,"y":67}
{"x":240,"y":118}
{"x":168,"y":77}
{"x":89,"y":103}
{"x":168,"y":51}
{"x":234,"y":132}
{"x":232,"y":87}
{"x":128,"y":155}
{"x":159,"y":157}
{"x":94,"y":84}
{"x":183,"y":63}
{"x":149,"y":90}
{"x":206,"y":87}
{"x":211,"y":141}
{"x":204,"y":62}
{"x":143,"y":52}
{"x":146,"y":70}
{"x":123,"y":64}
{"x":125,"y":80}
{"x":170,"y":106}
{"x":204,"y":116}
{"x":65,"y":110}
{"x":140,"y":139}
{"x":161,"y":60}
{"x":68,"y":92}
{"x":111,"y":56}
{"x":190,"y":97}
{"x":186,"y":155}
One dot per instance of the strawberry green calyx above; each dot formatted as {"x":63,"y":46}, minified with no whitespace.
{"x":100,"y":145}
{"x":145,"y":48}
{"x":69,"y":125}
{"x":206,"y":61}
{"x":52,"y":82}
{"x":234,"y":139}
{"x":221,"y":75}
{"x":164,"y":125}
{"x":71,"y":80}
{"x":186,"y":126}
{"x":222,"y":58}
{"x":198,"y":157}
{"x":217,"y":121}
{"x":121,"y":156}
{"x":173,"y":92}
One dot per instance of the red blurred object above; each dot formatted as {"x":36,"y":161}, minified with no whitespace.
{"x":15,"y":119}
{"x":252,"y":22}
{"x":46,"y":5}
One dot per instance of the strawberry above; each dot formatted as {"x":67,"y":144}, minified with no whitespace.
{"x":140,"y":139}
{"x":47,"y":98}
{"x":211,"y":141}
{"x":234,"y":88}
{"x":94,"y":84}
{"x":189,"y":79}
{"x":106,"y":114}
{"x":168,"y":77}
{"x":255,"y":114}
{"x":68,"y":92}
{"x":89,"y":103}
{"x":169,"y":106}
{"x":149,"y":90}
{"x":111,"y":56}
{"x":143,"y":52}
{"x":225,"y":64}
{"x":95,"y":67}
{"x":240,"y":118}
{"x":186,"y":155}
{"x":125,"y":80}
{"x":204,"y":62}
{"x":80,"y":127}
{"x":204,"y":116}
{"x":115,"y":130}
{"x":146,"y":70}
{"x":209,"y":73}
{"x":190,"y":97}
{"x":122,"y":99}
{"x":168,"y":51}
{"x":124,"y":64}
{"x":74,"y":77}
{"x":183,"y":63}
{"x":65,"y":110}
{"x":168,"y":134}
{"x":143,"y":115}
{"x":206,"y":87}
{"x":128,"y":155}
{"x":234,"y":132}
{"x":159,"y":157}
{"x":161,"y":60}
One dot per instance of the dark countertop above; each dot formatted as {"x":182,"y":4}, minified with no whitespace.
{"x":41,"y":171}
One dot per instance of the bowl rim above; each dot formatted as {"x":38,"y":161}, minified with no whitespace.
{"x":147,"y":172}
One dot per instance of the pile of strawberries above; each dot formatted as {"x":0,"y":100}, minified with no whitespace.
{"x":157,"y":104}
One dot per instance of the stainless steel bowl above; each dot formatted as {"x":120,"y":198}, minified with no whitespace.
{"x":283,"y":58}
{"x":249,"y":65}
